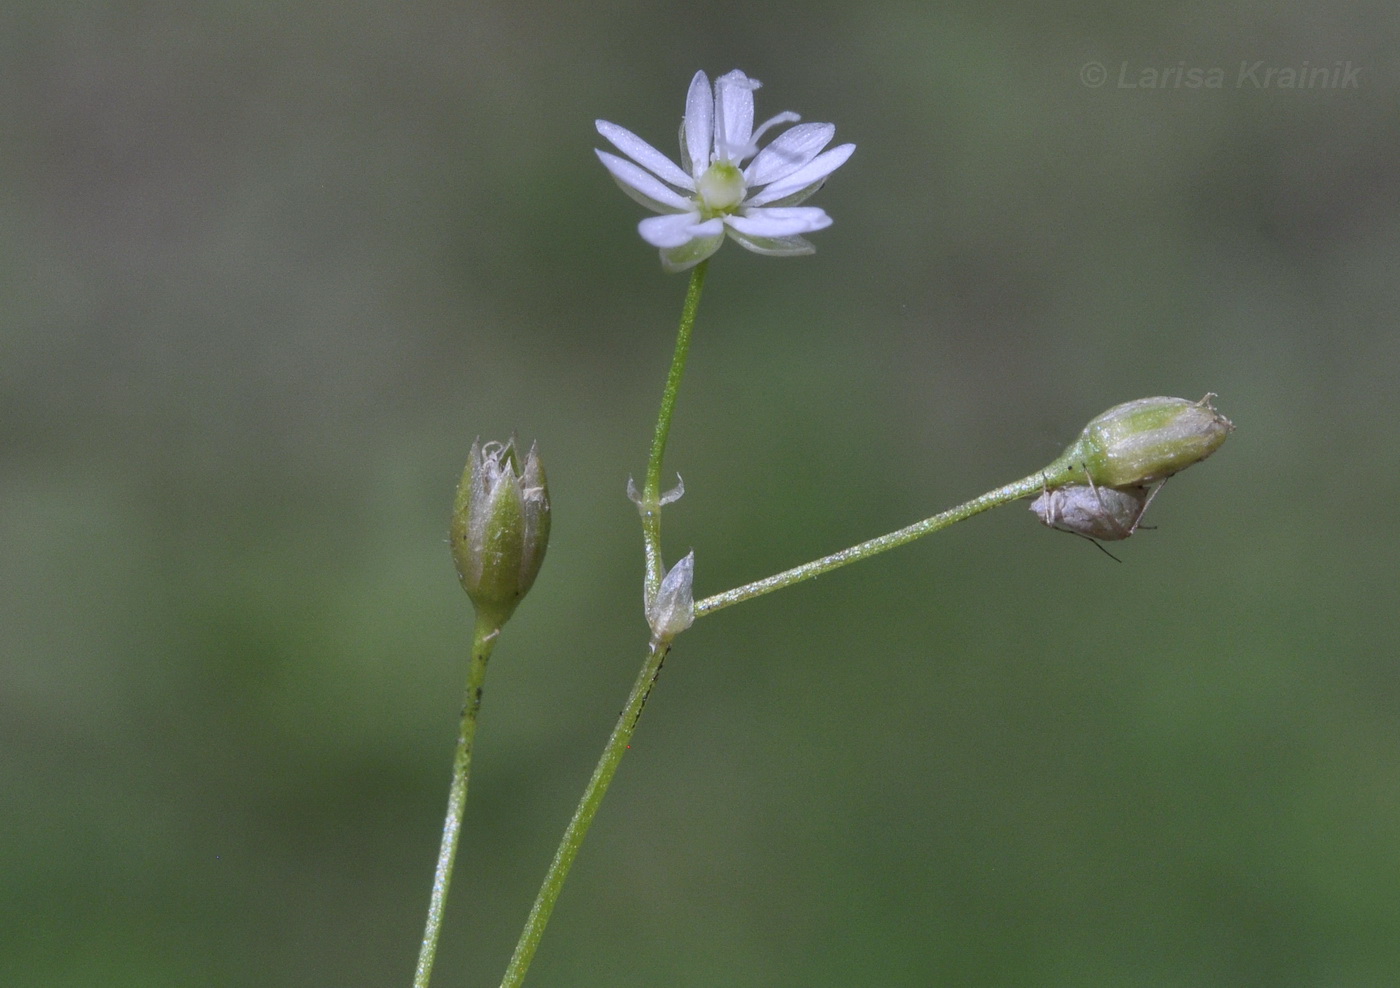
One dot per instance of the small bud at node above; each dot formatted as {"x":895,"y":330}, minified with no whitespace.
{"x":673,"y":610}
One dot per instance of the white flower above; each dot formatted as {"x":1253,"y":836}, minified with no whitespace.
{"x":756,"y":204}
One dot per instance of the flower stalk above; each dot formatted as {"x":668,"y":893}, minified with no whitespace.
{"x":498,"y":534}
{"x":1005,"y":494}
{"x":649,"y":505}
{"x":483,"y":641}
{"x":1136,"y":443}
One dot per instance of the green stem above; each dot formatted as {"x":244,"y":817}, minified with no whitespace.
{"x":1002,"y":495}
{"x":627,"y":721}
{"x":583,"y":815}
{"x":483,"y":641}
{"x":650,"y":506}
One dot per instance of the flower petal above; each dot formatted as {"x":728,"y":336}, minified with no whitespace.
{"x":698,"y":130}
{"x":677,"y":229}
{"x":800,"y":196}
{"x":642,"y":185}
{"x":644,"y":154}
{"x":772,"y":246}
{"x":691,"y":254}
{"x":784,"y":221}
{"x":789,"y":151}
{"x":734,"y":115}
{"x":811,"y":173}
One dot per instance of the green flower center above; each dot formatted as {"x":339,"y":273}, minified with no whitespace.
{"x":721,"y":189}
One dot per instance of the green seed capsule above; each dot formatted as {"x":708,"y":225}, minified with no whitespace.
{"x":500,"y":526}
{"x":1140,"y":443}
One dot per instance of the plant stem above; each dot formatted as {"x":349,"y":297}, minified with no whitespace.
{"x":627,"y":721}
{"x":483,"y":641}
{"x":650,"y":506}
{"x":1002,"y":495}
{"x":583,"y":816}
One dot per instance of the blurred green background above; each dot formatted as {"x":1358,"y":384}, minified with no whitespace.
{"x":269,"y":268}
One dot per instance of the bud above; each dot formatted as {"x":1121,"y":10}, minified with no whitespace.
{"x":1105,"y":513}
{"x":673,"y":608}
{"x":500,"y":526}
{"x":1141,"y":442}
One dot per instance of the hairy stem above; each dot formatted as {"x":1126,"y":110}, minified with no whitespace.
{"x":1002,"y":495}
{"x":483,"y":641}
{"x":650,"y":506}
{"x":588,"y":805}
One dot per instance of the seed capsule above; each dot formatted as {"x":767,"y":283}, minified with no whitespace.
{"x":1140,"y":443}
{"x":1152,"y":438}
{"x":500,"y":526}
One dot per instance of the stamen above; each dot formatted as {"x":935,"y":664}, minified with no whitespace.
{"x":785,"y":117}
